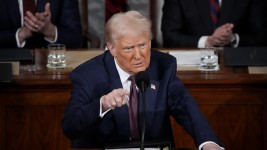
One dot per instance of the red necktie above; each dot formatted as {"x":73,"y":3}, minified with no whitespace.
{"x":215,"y":10}
{"x":29,"y":5}
{"x":133,"y":110}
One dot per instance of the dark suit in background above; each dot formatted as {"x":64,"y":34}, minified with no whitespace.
{"x":185,"y":21}
{"x":65,"y":15}
{"x":165,"y":95}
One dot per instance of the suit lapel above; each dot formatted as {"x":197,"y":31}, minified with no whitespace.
{"x":150,"y":100}
{"x":14,"y":12}
{"x":120,"y":114}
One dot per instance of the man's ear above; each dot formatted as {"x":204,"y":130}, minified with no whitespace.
{"x":111,"y":49}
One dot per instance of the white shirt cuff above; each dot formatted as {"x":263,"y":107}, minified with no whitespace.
{"x":237,"y":40}
{"x":201,"y":145}
{"x":52,"y":41}
{"x":202,"y":42}
{"x":17,"y":39}
{"x":100,"y":113}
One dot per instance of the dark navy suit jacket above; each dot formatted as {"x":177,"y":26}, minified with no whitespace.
{"x":185,"y":21}
{"x":165,"y":96}
{"x":65,"y":15}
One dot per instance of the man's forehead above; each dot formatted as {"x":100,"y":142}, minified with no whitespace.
{"x":133,"y":40}
{"x":136,"y":42}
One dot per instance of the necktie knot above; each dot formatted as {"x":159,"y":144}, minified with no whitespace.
{"x":132,"y":78}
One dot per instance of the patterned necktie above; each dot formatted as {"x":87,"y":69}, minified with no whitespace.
{"x":133,"y":110}
{"x":215,"y":11}
{"x":29,"y":5}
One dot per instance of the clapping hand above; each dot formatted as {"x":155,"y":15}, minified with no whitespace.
{"x":221,"y":36}
{"x":40,"y":23}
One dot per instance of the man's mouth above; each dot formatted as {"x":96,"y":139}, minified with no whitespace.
{"x":140,"y":64}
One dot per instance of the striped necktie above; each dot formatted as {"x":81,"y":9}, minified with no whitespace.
{"x":215,"y":11}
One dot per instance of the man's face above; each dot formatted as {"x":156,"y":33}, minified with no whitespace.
{"x":132,"y":53}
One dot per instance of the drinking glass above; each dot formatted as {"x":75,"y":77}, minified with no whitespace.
{"x":56,"y":56}
{"x":209,"y":59}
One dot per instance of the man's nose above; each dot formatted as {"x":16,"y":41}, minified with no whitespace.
{"x":137,"y":53}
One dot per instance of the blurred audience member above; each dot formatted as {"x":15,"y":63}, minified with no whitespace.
{"x":39,"y":23}
{"x":190,"y":23}
{"x":114,"y":6}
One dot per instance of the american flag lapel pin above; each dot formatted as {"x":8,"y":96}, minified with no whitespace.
{"x":153,"y":86}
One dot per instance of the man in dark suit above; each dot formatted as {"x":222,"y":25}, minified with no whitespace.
{"x":188,"y":23}
{"x":98,"y":110}
{"x":51,"y":21}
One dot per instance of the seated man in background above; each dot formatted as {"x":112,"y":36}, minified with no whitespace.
{"x":37,"y":24}
{"x":99,"y":111}
{"x":210,"y":23}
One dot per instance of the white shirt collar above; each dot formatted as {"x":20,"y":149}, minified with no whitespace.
{"x":124,"y":76}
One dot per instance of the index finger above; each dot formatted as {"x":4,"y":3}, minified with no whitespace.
{"x":123,"y":92}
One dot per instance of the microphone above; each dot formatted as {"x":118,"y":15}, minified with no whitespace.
{"x":142,"y":82}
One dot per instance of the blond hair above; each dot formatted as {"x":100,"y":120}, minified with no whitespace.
{"x":123,"y":23}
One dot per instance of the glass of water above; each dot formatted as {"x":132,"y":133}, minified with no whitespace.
{"x":56,"y":56}
{"x":209,"y":59}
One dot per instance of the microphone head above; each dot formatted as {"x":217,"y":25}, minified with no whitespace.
{"x":142,"y":80}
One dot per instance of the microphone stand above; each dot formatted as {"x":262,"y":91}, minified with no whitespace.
{"x":143,"y":116}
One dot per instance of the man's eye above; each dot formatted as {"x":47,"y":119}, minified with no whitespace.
{"x":143,"y":45}
{"x":128,"y":48}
